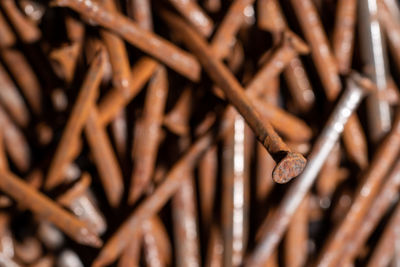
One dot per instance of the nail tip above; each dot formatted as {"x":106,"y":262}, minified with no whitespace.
{"x":176,"y":127}
{"x":102,"y":260}
{"x":48,"y":185}
{"x":96,"y":242}
{"x":96,"y":263}
{"x":56,"y":3}
{"x":362,"y":162}
{"x":297,"y":43}
{"x":115,"y":200}
{"x":133,"y":198}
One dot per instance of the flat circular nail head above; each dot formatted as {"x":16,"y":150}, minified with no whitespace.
{"x":289,"y":167}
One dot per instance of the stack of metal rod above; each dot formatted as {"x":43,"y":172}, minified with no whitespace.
{"x":199,"y":133}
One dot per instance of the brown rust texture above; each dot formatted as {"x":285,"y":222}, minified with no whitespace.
{"x":25,"y":28}
{"x":320,"y":49}
{"x":292,"y":163}
{"x":76,"y":122}
{"x":199,"y":133}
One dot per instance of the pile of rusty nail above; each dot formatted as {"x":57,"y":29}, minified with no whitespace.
{"x":199,"y":133}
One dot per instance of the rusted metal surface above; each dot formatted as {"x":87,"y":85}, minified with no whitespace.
{"x":355,"y":142}
{"x":48,"y":210}
{"x":6,"y":34}
{"x":195,"y":15}
{"x":297,"y":236}
{"x":172,"y":129}
{"x":235,"y":193}
{"x":76,"y":123}
{"x":386,"y":196}
{"x":289,"y":164}
{"x":387,"y":246}
{"x":24,"y":76}
{"x":224,"y":37}
{"x":168,"y":53}
{"x":104,"y":157}
{"x":372,"y":180}
{"x":26,"y":29}
{"x":148,"y":134}
{"x":186,"y":230}
{"x":320,"y":50}
{"x":327,"y":139}
{"x":343,"y":35}
{"x":376,"y":67}
{"x":12,"y":100}
{"x":154,"y":202}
